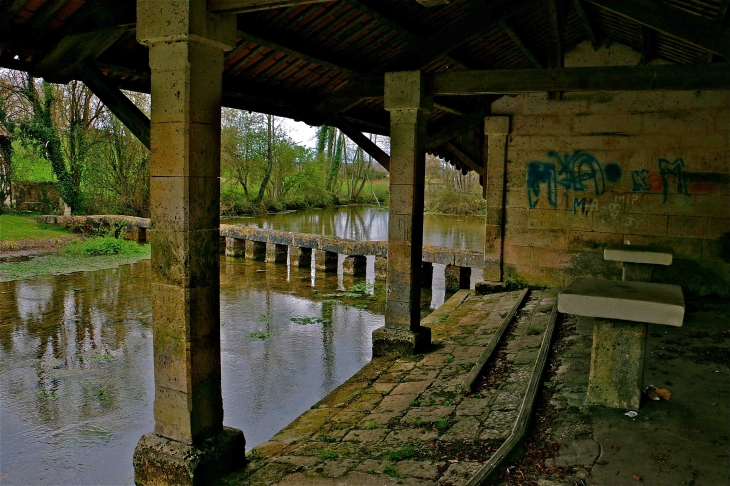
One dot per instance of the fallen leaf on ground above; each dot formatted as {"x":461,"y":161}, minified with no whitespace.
{"x":637,"y":477}
{"x":655,"y":393}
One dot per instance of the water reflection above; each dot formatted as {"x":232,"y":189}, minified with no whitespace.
{"x":76,"y":369}
{"x":370,"y":223}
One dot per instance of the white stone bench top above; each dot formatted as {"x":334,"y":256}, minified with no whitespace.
{"x":638,"y":254}
{"x":630,"y":301}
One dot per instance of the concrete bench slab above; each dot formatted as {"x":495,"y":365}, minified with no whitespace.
{"x":638,"y":254}
{"x":630,"y":301}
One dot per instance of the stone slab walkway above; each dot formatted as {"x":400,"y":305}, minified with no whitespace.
{"x":407,"y":421}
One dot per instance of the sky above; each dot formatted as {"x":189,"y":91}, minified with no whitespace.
{"x":300,"y":132}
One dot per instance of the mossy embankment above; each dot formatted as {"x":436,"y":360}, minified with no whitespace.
{"x":29,"y":249}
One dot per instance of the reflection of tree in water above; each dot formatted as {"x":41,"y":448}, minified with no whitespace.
{"x":328,"y":345}
{"x":58,"y":351}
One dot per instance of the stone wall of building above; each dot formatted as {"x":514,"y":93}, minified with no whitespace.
{"x":604,"y":168}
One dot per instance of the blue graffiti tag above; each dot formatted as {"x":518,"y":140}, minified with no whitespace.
{"x":579,"y":172}
{"x":639,"y":180}
{"x":675,"y":172}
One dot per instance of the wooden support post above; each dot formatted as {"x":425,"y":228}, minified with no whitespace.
{"x":409,"y":107}
{"x":555,"y":46}
{"x":496,"y":129}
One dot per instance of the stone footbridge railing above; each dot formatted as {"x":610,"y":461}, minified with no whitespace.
{"x":296,"y":248}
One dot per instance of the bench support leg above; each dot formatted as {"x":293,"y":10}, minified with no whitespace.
{"x":617,"y":364}
{"x":637,"y":272}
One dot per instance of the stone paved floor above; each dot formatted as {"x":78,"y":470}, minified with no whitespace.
{"x":407,"y":421}
{"x":681,"y":441}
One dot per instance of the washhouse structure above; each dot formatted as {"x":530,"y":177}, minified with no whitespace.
{"x":589,"y":122}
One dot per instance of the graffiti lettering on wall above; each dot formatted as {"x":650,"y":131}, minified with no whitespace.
{"x":670,"y":175}
{"x":578,"y":172}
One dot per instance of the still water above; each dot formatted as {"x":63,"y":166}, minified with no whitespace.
{"x":76,"y":375}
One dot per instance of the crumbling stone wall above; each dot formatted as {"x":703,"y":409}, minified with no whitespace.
{"x":596,"y":169}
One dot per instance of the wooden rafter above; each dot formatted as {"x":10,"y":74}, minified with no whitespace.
{"x":520,"y":44}
{"x":122,"y":107}
{"x":465,"y":159}
{"x":720,"y":20}
{"x":672,"y":21}
{"x":646,"y":43}
{"x":46,"y":13}
{"x":586,"y":22}
{"x":419,"y":52}
{"x":227,"y":7}
{"x":59,"y":63}
{"x":363,"y":142}
{"x":9,"y":10}
{"x":460,"y":126}
{"x":301,"y":50}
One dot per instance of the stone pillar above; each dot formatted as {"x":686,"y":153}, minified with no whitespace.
{"x":452,"y":278}
{"x":276,"y":253}
{"x":132,"y":233}
{"x":426,"y":275}
{"x":381,"y":268}
{"x":637,"y":272}
{"x":616,"y":376}
{"x":186,"y":47}
{"x":409,"y":107}
{"x":355,"y":265}
{"x":300,"y":257}
{"x":325,"y":261}
{"x":496,"y":129}
{"x":256,"y":250}
{"x":235,"y":247}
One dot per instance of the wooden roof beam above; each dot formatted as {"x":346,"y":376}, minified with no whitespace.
{"x":675,"y":77}
{"x":520,"y":44}
{"x":232,"y":7}
{"x":556,"y":18}
{"x":465,"y":159}
{"x":363,"y":142}
{"x":646,"y":44}
{"x":46,"y":13}
{"x":301,"y":51}
{"x":586,"y":23}
{"x":59,"y":63}
{"x":720,"y":20}
{"x":9,"y":10}
{"x":122,"y":107}
{"x":674,"y":22}
{"x":460,"y":126}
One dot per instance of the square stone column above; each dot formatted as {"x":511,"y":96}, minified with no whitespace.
{"x":496,"y":129}
{"x":408,"y":105}
{"x":186,"y":47}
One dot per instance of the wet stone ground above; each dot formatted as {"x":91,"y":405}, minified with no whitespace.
{"x":680,"y":441}
{"x":407,"y":421}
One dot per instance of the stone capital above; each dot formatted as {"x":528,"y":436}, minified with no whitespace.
{"x":406,"y":91}
{"x":496,"y":125}
{"x":167,"y":21}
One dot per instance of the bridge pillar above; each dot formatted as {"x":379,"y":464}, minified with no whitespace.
{"x":381,"y":268}
{"x":256,"y":250}
{"x":325,"y":261}
{"x":457,"y":278}
{"x":276,"y":253}
{"x":235,"y":247}
{"x":408,"y":105}
{"x":189,"y":444}
{"x":426,"y":275}
{"x":300,"y":257}
{"x":355,"y":265}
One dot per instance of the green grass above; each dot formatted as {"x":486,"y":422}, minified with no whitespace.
{"x":60,"y":264}
{"x":105,"y":246}
{"x":303,"y":321}
{"x":327,"y":454}
{"x":14,"y":227}
{"x":405,"y":452}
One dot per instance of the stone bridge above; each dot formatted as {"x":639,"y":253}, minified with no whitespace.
{"x":296,"y":248}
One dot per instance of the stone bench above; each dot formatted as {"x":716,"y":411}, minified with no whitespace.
{"x":620,"y":312}
{"x":638,"y":261}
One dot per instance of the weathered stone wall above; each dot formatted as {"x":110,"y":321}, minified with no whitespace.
{"x":36,"y":196}
{"x":617,"y":167}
